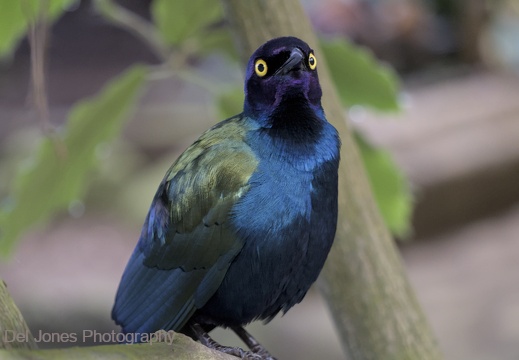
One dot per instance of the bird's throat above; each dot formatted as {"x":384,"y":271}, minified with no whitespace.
{"x":295,"y":121}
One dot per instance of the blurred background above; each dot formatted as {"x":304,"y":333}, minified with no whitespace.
{"x":456,"y":139}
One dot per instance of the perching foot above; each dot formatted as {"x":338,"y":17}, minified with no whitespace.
{"x":252,"y":343}
{"x":257,"y":352}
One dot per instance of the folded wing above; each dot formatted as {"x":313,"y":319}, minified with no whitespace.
{"x":187,"y":242}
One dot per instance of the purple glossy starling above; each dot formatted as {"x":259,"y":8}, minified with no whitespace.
{"x":243,"y":221}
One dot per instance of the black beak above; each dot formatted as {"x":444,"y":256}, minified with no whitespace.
{"x":296,"y":59}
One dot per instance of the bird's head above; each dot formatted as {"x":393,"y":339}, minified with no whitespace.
{"x":281,"y":70}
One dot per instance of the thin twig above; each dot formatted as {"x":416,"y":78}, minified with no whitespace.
{"x":38,"y":37}
{"x":38,"y":32}
{"x":134,"y":24}
{"x":178,"y":64}
{"x":194,"y":78}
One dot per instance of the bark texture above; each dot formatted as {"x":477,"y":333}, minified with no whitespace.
{"x":375,"y":309}
{"x":11,"y":323}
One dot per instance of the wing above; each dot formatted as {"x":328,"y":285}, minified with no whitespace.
{"x":186,"y":244}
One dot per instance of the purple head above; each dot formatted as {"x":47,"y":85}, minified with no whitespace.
{"x":281,"y":70}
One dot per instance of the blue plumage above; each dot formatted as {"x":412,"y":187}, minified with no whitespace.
{"x":243,"y":221}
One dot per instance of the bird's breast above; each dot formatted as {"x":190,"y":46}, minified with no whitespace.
{"x":286,"y":222}
{"x":277,"y":195}
{"x":283,"y":188}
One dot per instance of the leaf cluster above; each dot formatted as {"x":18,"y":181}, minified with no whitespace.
{"x":57,"y":175}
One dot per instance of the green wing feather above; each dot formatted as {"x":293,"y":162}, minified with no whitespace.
{"x":199,"y":190}
{"x":187,"y":243}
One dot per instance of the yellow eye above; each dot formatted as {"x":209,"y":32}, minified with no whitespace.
{"x":260,"y":67}
{"x":312,"y":61}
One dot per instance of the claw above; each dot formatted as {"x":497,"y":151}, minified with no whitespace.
{"x":252,"y":343}
{"x":258,"y":352}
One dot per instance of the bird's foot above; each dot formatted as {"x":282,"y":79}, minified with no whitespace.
{"x":234,"y":351}
{"x":252,"y":343}
{"x":249,"y":355}
{"x":240,"y":353}
{"x":258,"y":355}
{"x":257,"y":352}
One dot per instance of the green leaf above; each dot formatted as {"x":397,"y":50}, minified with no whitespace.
{"x":359,"y":78}
{"x":177,"y":20}
{"x":389,"y":186}
{"x":16,"y":15}
{"x":57,"y":175}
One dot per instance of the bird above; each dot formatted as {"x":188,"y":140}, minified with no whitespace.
{"x":244,"y":219}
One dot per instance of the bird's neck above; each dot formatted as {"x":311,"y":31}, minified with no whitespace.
{"x":296,"y":133}
{"x":295,"y":121}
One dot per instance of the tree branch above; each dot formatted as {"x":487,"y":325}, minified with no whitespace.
{"x":13,"y":347}
{"x":11,"y":320}
{"x":182,"y":348}
{"x":375,"y":310}
{"x":135,"y":25}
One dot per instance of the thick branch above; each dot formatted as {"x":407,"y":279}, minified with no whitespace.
{"x":375,"y":309}
{"x":17,"y":342}
{"x":182,"y":348}
{"x":11,"y":321}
